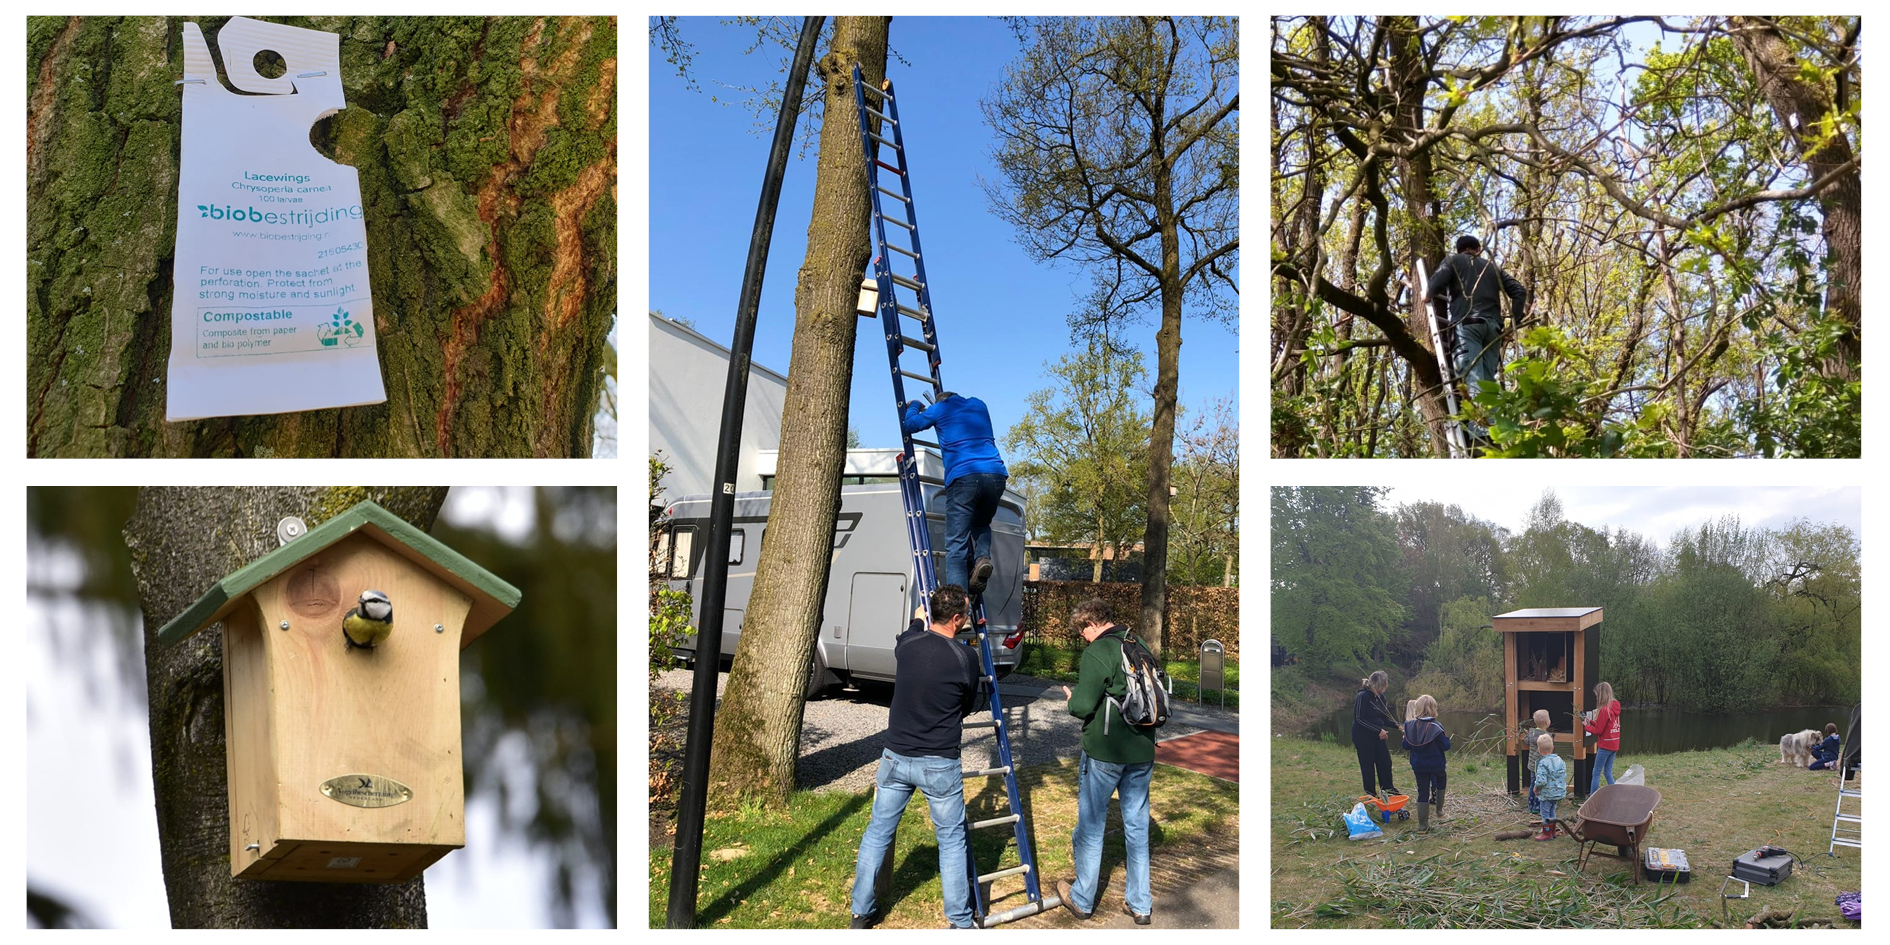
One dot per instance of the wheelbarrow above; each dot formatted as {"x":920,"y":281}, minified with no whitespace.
{"x":1618,"y":815}
{"x":1393,"y":804}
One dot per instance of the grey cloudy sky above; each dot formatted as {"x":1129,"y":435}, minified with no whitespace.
{"x":1656,"y":512}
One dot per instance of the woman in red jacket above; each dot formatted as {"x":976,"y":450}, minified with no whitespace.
{"x":1606,"y":725}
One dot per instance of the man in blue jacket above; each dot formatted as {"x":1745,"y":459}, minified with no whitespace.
{"x":974,"y":482}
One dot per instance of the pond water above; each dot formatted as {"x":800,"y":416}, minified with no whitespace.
{"x":1644,"y":731}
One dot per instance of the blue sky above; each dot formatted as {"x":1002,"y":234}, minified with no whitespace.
{"x":1000,"y":315}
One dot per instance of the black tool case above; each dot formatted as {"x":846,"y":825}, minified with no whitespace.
{"x":1764,"y":870}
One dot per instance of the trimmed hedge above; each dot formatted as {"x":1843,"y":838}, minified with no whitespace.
{"x":1194,"y":613}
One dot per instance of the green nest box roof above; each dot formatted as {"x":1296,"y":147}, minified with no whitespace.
{"x":492,"y":598}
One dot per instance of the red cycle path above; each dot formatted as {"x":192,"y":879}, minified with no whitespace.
{"x":1215,"y":754}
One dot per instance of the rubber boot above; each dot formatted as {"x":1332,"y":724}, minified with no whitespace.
{"x":1424,"y":818}
{"x":1437,"y":801}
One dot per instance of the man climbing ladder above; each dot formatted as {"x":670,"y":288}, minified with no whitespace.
{"x":960,"y":422}
{"x":974,"y":483}
{"x":1476,"y":288}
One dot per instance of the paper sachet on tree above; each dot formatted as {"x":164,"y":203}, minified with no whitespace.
{"x":271,"y":311}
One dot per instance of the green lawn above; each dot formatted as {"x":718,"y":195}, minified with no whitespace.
{"x":1047,"y":661}
{"x":794,"y":868}
{"x":1714,"y":806}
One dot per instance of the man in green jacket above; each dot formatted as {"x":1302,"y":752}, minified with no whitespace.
{"x":1116,"y":759}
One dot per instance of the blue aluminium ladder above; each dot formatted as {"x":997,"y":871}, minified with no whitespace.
{"x":911,"y":490}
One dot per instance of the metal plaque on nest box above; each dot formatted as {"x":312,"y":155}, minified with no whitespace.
{"x":366,"y":790}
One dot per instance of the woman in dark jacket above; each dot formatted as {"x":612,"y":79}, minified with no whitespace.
{"x":1371,"y":727}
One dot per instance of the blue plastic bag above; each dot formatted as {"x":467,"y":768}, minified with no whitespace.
{"x":1359,"y":824}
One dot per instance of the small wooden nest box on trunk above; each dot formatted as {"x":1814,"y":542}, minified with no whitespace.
{"x":344,"y":763}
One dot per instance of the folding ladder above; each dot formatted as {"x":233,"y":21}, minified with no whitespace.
{"x":1847,"y":830}
{"x":889,"y":283}
{"x":1453,"y":430}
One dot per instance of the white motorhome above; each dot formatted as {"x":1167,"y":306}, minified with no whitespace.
{"x":870,"y":590}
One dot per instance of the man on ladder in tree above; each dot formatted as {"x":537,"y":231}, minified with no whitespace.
{"x":1476,"y":288}
{"x":974,"y":482}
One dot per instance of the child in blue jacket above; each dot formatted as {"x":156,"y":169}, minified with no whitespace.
{"x":1551,"y":783}
{"x":1827,"y":751}
{"x":1424,"y":738}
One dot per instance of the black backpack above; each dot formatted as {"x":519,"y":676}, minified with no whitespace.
{"x":1144,"y":702}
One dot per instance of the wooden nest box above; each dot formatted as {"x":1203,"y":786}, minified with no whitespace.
{"x":344,"y":764}
{"x":1551,"y":660}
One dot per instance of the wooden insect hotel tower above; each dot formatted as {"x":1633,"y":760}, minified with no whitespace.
{"x":344,"y":763}
{"x":1551,"y":660}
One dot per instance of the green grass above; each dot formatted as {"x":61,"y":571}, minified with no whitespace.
{"x":793,"y":868}
{"x":1714,"y":806}
{"x":1047,"y":661}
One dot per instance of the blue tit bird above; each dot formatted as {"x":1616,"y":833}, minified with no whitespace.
{"x":369,"y":622}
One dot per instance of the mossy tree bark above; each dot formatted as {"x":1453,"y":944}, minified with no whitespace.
{"x":181,"y":541}
{"x":488,"y":163}
{"x":1813,"y":110}
{"x":758,"y":727}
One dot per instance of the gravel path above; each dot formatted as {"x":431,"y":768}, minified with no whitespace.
{"x":843,"y":732}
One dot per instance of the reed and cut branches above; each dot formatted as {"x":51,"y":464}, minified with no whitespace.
{"x":1470,"y":894}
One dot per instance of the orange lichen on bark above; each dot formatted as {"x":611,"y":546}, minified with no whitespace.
{"x":467,"y":319}
{"x":43,"y":93}
{"x":565,"y":292}
{"x":533,"y":112}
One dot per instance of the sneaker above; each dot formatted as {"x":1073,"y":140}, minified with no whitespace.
{"x":1141,"y":918}
{"x":1069,"y":902}
{"x":865,"y":921}
{"x":980,"y":575}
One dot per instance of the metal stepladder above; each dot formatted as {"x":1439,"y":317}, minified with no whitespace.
{"x":1847,"y":829}
{"x":911,"y":485}
{"x":1458,"y":443}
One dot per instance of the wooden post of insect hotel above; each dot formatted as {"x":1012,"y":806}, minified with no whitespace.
{"x":344,"y":764}
{"x":1551,"y":660}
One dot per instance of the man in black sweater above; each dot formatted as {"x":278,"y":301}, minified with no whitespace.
{"x":935,"y":686}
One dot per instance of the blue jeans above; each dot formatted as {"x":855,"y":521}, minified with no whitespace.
{"x":1095,"y":781}
{"x":1548,"y":808}
{"x":942,"y":781}
{"x":1479,"y":355}
{"x":971,"y":501}
{"x":1604,"y":763}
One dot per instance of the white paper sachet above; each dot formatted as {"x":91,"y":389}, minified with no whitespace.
{"x":271,"y":311}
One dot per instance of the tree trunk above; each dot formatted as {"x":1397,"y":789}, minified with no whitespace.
{"x":182,"y":540}
{"x":1804,"y":108}
{"x":1161,"y":433}
{"x":758,"y":727}
{"x":488,"y":163}
{"x":1426,"y":241}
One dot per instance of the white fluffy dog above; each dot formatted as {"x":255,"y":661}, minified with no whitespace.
{"x":1795,"y":749}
